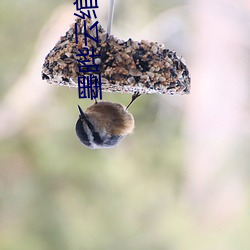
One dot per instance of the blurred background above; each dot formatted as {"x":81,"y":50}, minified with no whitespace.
{"x":180,"y":182}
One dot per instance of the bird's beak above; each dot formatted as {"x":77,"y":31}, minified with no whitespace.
{"x":82,"y":115}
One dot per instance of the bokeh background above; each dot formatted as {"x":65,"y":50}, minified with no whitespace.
{"x":180,"y":182}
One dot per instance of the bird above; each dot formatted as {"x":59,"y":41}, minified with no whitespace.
{"x":104,"y":124}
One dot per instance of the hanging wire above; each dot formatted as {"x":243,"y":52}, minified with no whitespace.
{"x":110,"y":15}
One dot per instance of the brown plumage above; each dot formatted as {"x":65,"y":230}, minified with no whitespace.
{"x":112,"y":118}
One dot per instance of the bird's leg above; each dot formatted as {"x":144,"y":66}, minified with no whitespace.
{"x":134,"y":97}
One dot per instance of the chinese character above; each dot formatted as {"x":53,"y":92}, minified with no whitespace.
{"x":87,"y":67}
{"x":87,"y":15}
{"x":79,"y":4}
{"x":89,"y":86}
{"x":86,"y":33}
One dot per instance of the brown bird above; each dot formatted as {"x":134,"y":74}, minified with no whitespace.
{"x":104,"y":124}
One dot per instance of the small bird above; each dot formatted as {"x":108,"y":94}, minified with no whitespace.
{"x":104,"y":124}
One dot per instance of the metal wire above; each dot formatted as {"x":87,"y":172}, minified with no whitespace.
{"x":110,"y":15}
